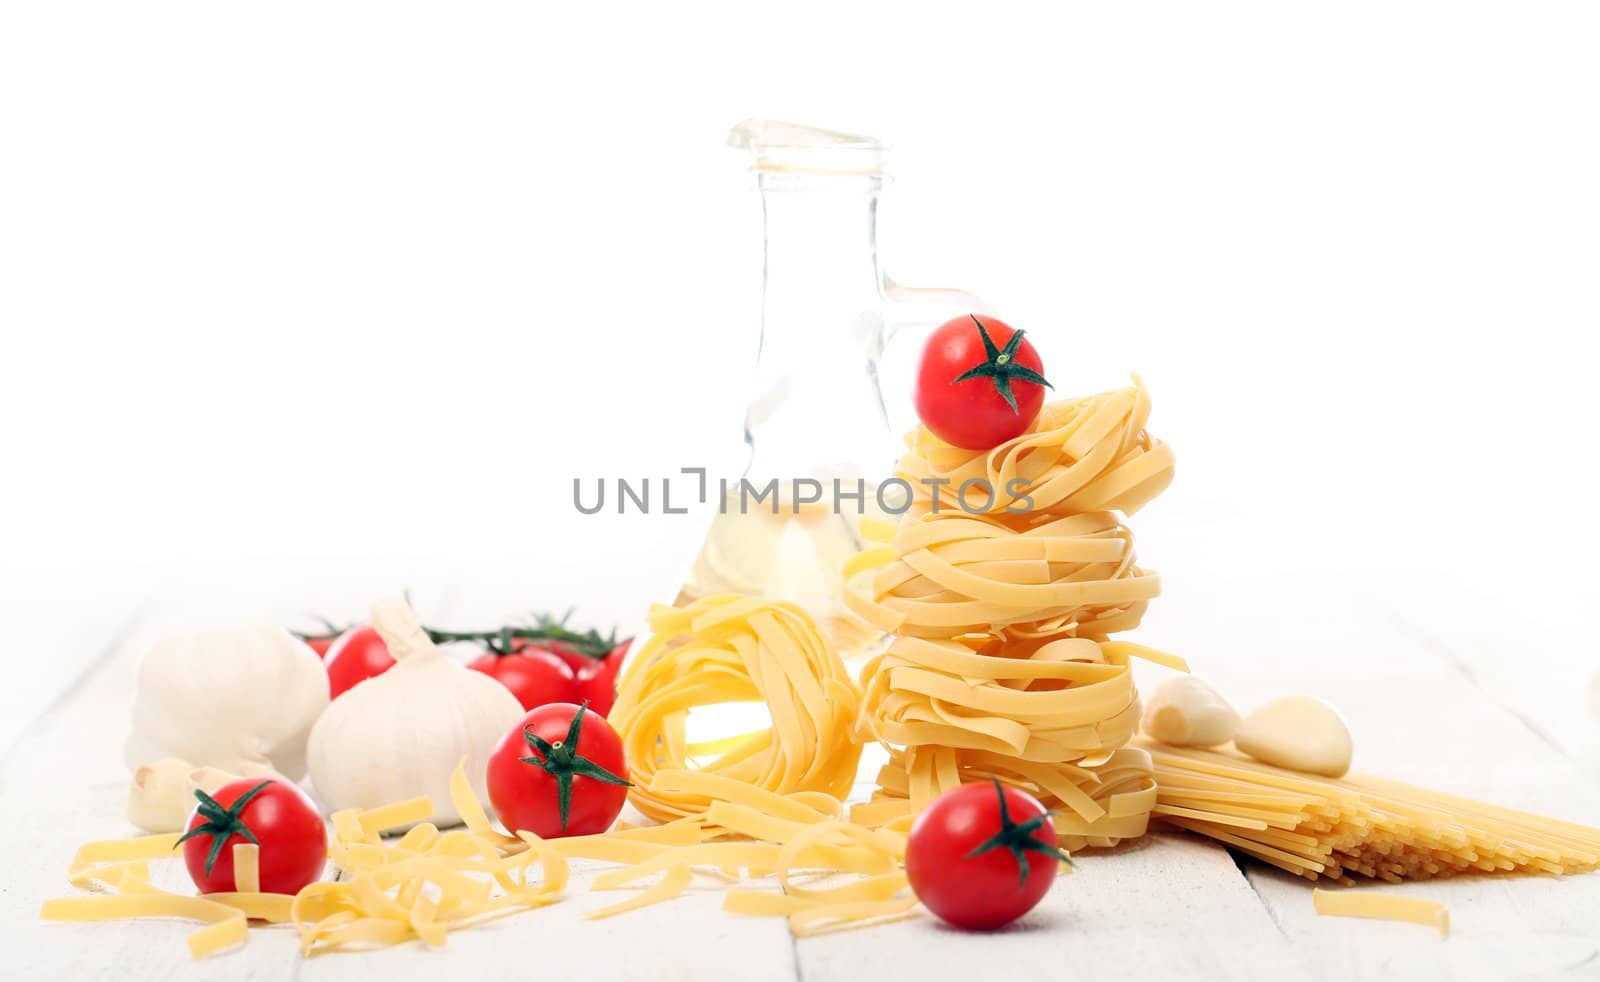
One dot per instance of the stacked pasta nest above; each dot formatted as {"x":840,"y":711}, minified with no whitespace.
{"x":1003,"y":584}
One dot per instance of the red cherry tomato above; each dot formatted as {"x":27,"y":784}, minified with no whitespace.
{"x":576,"y":648}
{"x":556,"y":746}
{"x":571,"y":656}
{"x":574,"y":656}
{"x":273,"y":813}
{"x":597,"y":681}
{"x":597,"y":684}
{"x":963,"y":379}
{"x":320,"y":645}
{"x":356,"y":656}
{"x":535,"y":676}
{"x":982,"y":855}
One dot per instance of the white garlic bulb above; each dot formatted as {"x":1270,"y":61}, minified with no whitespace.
{"x":242,"y":699}
{"x":399,"y":735}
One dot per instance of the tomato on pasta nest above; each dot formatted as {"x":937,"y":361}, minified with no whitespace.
{"x":979,"y":383}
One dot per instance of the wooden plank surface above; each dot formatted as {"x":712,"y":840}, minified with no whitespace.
{"x":69,"y":786}
{"x":1534,"y":651}
{"x":61,"y":641}
{"x":1414,"y":718}
{"x":1166,"y":906}
{"x":1169,"y":905}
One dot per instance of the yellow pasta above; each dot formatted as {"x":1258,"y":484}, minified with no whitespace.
{"x":950,"y":574}
{"x":1022,"y":541}
{"x":725,"y":650}
{"x":1337,"y":828}
{"x":1382,"y":906}
{"x":247,"y":867}
{"x":781,"y":836}
{"x":227,"y":925}
{"x":420,"y":886}
{"x":426,"y":883}
{"x":105,"y":861}
{"x":1062,"y":701}
{"x":1003,"y":583}
{"x":1079,"y":455}
{"x":1003,"y":667}
{"x":1053,"y":723}
{"x":772,"y":800}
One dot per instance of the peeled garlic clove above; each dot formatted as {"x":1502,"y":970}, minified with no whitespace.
{"x":160,"y":798}
{"x":1300,"y":733}
{"x":1185,"y":711}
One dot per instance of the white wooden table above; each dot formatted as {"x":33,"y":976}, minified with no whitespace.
{"x":1464,"y":700}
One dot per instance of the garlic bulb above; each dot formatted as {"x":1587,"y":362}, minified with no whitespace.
{"x":161,"y":796}
{"x":239,"y":698}
{"x":399,"y":735}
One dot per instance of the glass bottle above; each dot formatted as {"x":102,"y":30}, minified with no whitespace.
{"x":832,"y":386}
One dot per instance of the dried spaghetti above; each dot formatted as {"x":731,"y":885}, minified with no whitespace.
{"x":1327,"y":828}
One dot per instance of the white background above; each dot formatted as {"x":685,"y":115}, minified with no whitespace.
{"x":300,"y":302}
{"x":319,"y":288}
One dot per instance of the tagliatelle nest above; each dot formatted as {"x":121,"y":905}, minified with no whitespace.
{"x":730,"y":649}
{"x":1003,"y":582}
{"x":1051,"y":720}
{"x":1080,"y":455}
{"x":946,"y":575}
{"x":1024,"y":540}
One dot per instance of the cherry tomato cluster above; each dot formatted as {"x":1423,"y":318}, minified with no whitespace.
{"x":548,"y":663}
{"x":562,"y":770}
{"x":542,"y":673}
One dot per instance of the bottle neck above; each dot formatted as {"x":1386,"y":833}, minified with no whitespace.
{"x":821,"y":249}
{"x":816,"y":410}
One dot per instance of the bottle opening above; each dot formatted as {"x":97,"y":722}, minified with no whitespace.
{"x":779,"y":148}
